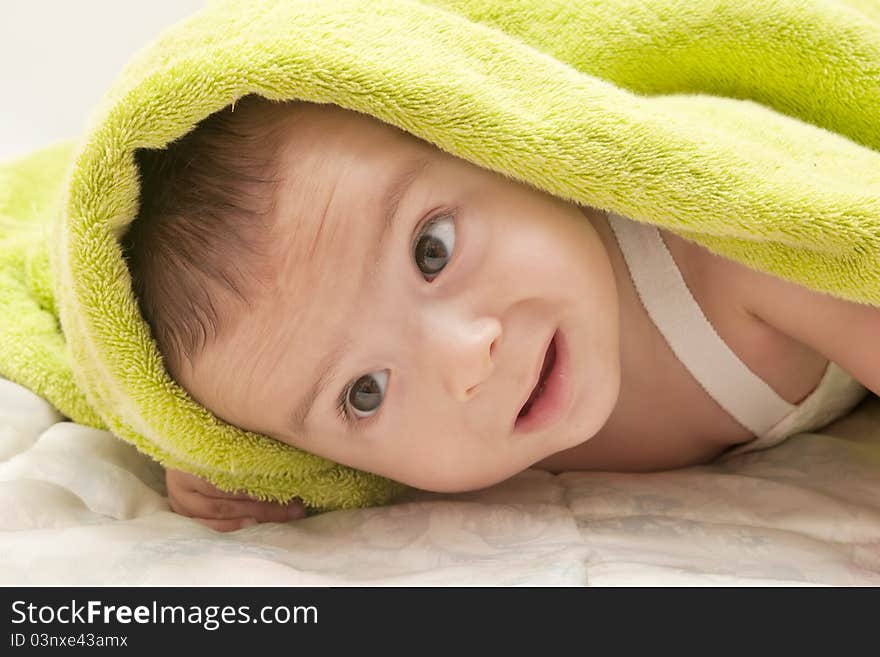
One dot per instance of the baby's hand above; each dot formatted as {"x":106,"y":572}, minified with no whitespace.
{"x":196,"y":498}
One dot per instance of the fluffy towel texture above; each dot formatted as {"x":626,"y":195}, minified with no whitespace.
{"x":749,"y":126}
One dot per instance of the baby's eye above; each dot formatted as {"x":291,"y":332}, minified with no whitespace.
{"x":365,"y":395}
{"x":433,"y":248}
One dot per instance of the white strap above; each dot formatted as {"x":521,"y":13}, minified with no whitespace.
{"x":675,"y":312}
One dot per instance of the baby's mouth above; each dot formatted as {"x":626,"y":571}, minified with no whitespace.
{"x":546,"y":368}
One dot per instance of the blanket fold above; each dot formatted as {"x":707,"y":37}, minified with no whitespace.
{"x":751,"y":127}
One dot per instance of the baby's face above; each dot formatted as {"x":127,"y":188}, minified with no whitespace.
{"x":417,"y":295}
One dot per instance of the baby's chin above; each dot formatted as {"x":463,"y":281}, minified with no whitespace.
{"x":455,"y":483}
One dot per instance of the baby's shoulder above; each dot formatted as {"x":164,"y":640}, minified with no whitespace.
{"x":723,"y":287}
{"x":732,"y":297}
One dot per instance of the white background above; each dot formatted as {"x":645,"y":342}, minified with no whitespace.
{"x":58,"y":57}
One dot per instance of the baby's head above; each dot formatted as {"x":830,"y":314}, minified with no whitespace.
{"x":321,"y":277}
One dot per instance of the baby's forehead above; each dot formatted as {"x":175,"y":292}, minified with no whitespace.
{"x":328,"y":150}
{"x":322,"y":121}
{"x":335,"y":167}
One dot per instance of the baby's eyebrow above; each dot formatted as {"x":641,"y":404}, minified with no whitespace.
{"x":389,"y":204}
{"x":326,"y":367}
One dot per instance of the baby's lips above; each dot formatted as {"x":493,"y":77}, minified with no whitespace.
{"x":295,"y":511}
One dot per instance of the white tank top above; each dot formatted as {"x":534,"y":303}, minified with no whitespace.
{"x":738,"y":390}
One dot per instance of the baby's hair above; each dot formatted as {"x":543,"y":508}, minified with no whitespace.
{"x":202,"y":235}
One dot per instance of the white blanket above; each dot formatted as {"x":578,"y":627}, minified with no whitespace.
{"x":80,"y":507}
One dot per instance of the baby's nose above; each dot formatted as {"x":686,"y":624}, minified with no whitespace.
{"x":470,"y":357}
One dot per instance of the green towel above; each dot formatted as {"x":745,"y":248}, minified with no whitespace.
{"x":749,"y":126}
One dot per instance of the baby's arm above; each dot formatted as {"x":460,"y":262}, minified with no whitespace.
{"x":844,"y":332}
{"x":194,"y":497}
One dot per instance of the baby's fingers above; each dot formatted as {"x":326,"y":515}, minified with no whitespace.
{"x":184,"y":481}
{"x":226,"y":525}
{"x":221,"y":508}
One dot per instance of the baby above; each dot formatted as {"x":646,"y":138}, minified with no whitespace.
{"x":326,"y":279}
